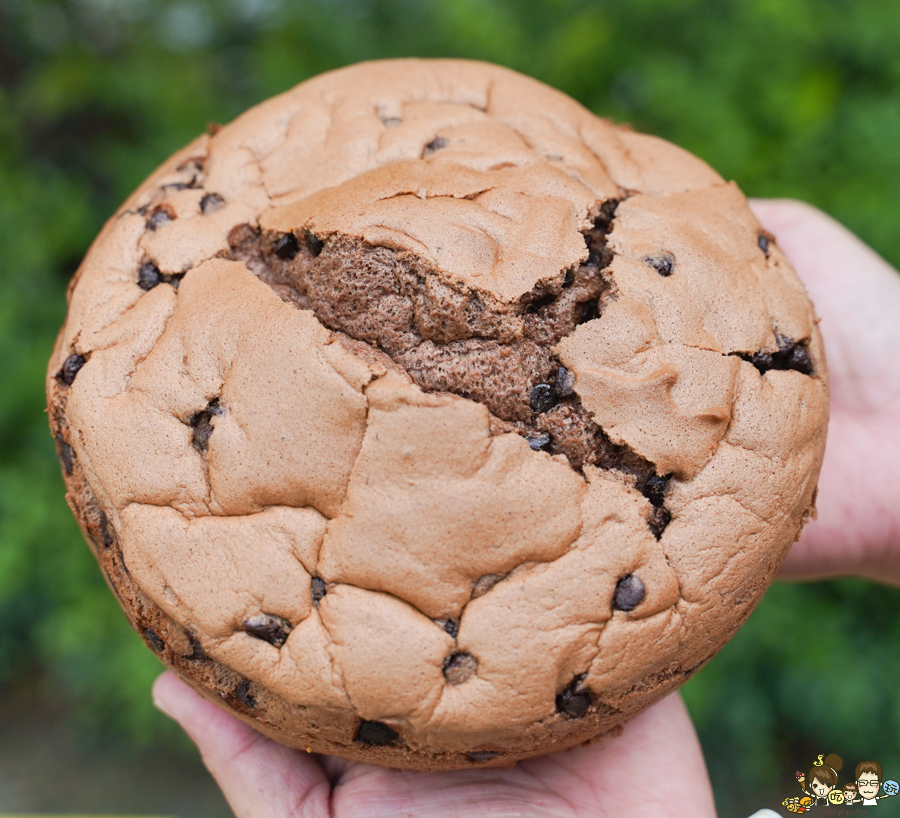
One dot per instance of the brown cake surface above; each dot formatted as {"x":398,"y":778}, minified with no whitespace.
{"x":420,"y":416}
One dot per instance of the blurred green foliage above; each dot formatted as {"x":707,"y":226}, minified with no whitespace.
{"x":789,"y":97}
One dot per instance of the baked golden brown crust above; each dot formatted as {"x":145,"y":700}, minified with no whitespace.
{"x":424,"y":418}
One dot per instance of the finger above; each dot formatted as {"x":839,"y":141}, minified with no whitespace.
{"x":259,"y":778}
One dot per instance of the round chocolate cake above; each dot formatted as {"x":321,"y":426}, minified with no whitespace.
{"x":420,"y":416}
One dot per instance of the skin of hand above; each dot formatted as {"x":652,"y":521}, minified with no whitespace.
{"x":655,"y":767}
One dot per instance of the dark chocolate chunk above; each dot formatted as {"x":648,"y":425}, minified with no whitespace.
{"x":542,"y":397}
{"x":287,"y":247}
{"x":451,"y":627}
{"x":663,"y":263}
{"x":318,"y":590}
{"x":655,"y":488}
{"x":175,"y":186}
{"x":242,"y":693}
{"x":435,"y":145}
{"x":568,"y":278}
{"x":539,"y":441}
{"x":459,"y":668}
{"x":482,"y":755}
{"x":629,"y":593}
{"x":210,"y":203}
{"x":573,"y":703}
{"x":106,"y":530}
{"x":800,"y":360}
{"x":66,"y":454}
{"x":658,"y":520}
{"x":791,"y":354}
{"x":70,"y":368}
{"x":202,"y":432}
{"x":159,"y":217}
{"x":197,"y":653}
{"x":149,"y":276}
{"x":565,"y":382}
{"x":375,"y":732}
{"x":763,"y":241}
{"x":268,"y":627}
{"x":314,"y":243}
{"x":203,"y":428}
{"x":152,"y":639}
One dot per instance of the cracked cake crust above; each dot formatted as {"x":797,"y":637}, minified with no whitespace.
{"x":421,"y":417}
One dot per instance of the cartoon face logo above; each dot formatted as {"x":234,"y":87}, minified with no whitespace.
{"x":868,"y":784}
{"x":820,"y":788}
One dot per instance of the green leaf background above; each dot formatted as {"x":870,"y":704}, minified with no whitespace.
{"x":796,"y":98}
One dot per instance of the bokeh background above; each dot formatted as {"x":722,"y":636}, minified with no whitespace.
{"x":793,"y":98}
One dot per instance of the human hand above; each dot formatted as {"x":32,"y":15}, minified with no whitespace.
{"x":616,"y":776}
{"x":856,"y":293}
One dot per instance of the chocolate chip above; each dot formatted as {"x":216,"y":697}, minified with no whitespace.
{"x":159,"y":217}
{"x":375,"y":732}
{"x":202,"y":433}
{"x":175,"y":186}
{"x":286,"y":247}
{"x":629,"y":593}
{"x":210,"y":203}
{"x":203,"y":428}
{"x":658,"y":520}
{"x":459,"y":668}
{"x":482,"y":755}
{"x":655,"y":488}
{"x":314,"y":243}
{"x":791,"y":354}
{"x":800,"y":360}
{"x":762,"y":361}
{"x":435,"y":145}
{"x":66,"y":454}
{"x":568,"y":278}
{"x":243,"y":694}
{"x":318,"y":590}
{"x":197,"y":653}
{"x":763,"y":240}
{"x":148,"y":276}
{"x":151,"y":638}
{"x":70,"y":368}
{"x":542,"y":397}
{"x":572,"y":702}
{"x":106,"y":531}
{"x":539,"y":441}
{"x":268,"y":627}
{"x":451,"y":627}
{"x":565,"y":382}
{"x":663,"y":263}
